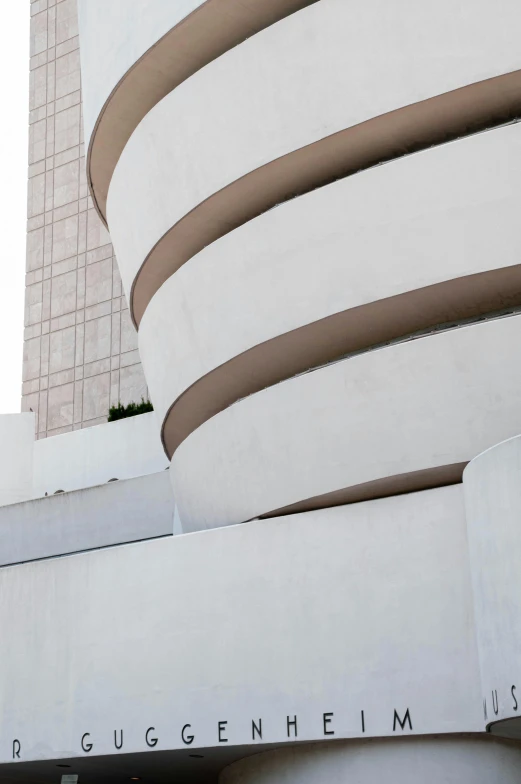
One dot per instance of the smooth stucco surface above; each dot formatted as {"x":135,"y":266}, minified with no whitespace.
{"x":347,"y":65}
{"x":31,"y":469}
{"x":429,"y":761}
{"x":16,"y":457}
{"x":435,"y":401}
{"x":148,"y":50}
{"x":368,"y":332}
{"x":356,"y":241}
{"x":120,"y":32}
{"x":493,"y":505}
{"x":103,"y":516}
{"x":365,"y":607}
{"x":117,"y":450}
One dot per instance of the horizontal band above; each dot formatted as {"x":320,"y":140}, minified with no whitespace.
{"x":428,"y":479}
{"x":401,"y":132}
{"x":416,"y":406}
{"x":157,"y":52}
{"x":249,"y":131}
{"x":404,"y":247}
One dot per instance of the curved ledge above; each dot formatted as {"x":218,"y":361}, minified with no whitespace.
{"x":406,"y":556}
{"x":426,"y":404}
{"x":492,"y":494}
{"x":397,"y":133}
{"x":329,"y":339}
{"x":200,"y":37}
{"x":428,"y":479}
{"x":506,"y":728}
{"x":466,"y":759}
{"x":363,"y":261}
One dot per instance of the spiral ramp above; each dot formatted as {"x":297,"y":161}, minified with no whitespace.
{"x":315,"y":211}
{"x":149,"y":48}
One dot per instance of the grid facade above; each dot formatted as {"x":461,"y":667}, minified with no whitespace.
{"x":80,"y":347}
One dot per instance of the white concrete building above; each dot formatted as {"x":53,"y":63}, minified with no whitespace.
{"x":314,"y":207}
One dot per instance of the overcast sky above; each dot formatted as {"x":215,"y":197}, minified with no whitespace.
{"x":14,"y":88}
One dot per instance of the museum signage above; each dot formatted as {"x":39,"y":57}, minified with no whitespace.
{"x":400,"y":721}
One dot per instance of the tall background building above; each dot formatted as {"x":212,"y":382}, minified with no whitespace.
{"x":80,"y":348}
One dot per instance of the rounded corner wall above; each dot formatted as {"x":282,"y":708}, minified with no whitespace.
{"x":492,"y":491}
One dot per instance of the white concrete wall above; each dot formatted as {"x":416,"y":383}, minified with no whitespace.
{"x":16,"y":457}
{"x":117,"y":513}
{"x":366,"y":607}
{"x":429,"y":761}
{"x":358,"y":620}
{"x":492,"y":484}
{"x":146,"y":51}
{"x":118,"y":450}
{"x":320,"y":433}
{"x":349,"y":63}
{"x":117,"y":33}
{"x":361,"y":239}
{"x":435,"y":401}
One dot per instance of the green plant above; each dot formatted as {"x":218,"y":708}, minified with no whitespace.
{"x":133,"y":409}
